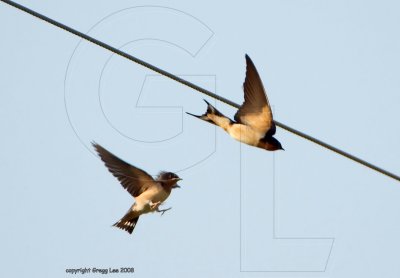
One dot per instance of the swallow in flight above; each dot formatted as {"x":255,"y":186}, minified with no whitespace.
{"x":253,"y":124}
{"x":149,"y":193}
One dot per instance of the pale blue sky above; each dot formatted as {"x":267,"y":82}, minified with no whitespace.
{"x":331,"y":70}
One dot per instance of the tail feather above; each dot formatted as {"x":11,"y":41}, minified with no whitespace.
{"x":210,"y":110}
{"x":202,"y":117}
{"x":127,"y":225}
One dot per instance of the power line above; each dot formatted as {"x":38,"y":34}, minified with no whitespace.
{"x":194,"y":86}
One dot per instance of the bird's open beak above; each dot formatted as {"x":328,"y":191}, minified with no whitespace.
{"x":177,"y":185}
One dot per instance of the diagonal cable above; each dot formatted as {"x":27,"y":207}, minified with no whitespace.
{"x":195,"y":87}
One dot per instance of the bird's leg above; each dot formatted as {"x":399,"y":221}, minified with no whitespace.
{"x":163,"y":210}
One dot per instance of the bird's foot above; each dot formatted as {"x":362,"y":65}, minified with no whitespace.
{"x":162,"y":211}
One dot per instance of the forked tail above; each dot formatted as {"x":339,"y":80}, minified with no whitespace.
{"x":211,"y":114}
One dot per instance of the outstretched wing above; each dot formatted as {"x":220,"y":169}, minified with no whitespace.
{"x":255,"y":110}
{"x":133,"y":179}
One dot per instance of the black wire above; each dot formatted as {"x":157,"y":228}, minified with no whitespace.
{"x":194,"y":86}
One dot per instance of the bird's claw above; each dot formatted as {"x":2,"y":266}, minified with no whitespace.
{"x":162,"y":211}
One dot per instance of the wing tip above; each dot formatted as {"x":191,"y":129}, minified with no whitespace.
{"x":249,"y":61}
{"x":95,"y":145}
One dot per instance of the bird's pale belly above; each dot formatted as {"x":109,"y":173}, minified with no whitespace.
{"x":149,"y":197}
{"x":244,"y":134}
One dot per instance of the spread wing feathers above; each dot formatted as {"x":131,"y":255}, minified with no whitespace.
{"x":133,"y":179}
{"x":255,"y":111}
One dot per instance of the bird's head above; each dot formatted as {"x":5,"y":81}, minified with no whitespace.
{"x":271,"y":144}
{"x":169,"y":179}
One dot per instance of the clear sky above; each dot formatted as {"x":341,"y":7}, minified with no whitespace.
{"x":330,"y":69}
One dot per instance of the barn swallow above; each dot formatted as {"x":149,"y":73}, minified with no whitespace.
{"x":149,"y":193}
{"x":253,"y":124}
